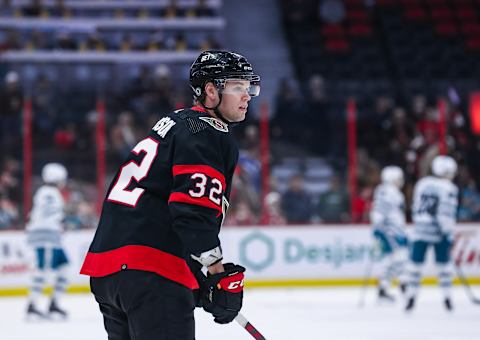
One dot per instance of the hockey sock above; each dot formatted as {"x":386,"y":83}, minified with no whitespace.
{"x":413,"y":280}
{"x":60,"y":284}
{"x":38,"y":282}
{"x":444,"y":279}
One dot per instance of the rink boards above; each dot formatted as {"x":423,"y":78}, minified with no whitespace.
{"x":274,"y":256}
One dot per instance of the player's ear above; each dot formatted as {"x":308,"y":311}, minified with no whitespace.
{"x":210,"y":90}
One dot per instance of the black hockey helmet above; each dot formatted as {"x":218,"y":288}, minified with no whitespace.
{"x":218,"y":67}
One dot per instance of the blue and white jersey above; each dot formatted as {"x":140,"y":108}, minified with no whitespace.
{"x":388,"y":210}
{"x":45,"y":225}
{"x":434,"y":210}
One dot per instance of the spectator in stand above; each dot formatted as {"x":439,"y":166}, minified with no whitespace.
{"x":362,"y":205}
{"x":201,"y":9}
{"x":8,"y":213}
{"x":249,"y":158}
{"x":380,"y":122}
{"x":181,"y":44}
{"x":296,"y":202}
{"x":172,"y":10}
{"x":36,"y":41}
{"x":6,"y":9}
{"x":273,"y":214}
{"x":210,"y":43}
{"x":34,"y":9}
{"x":127,"y":43}
{"x":65,"y":41}
{"x":332,"y":11}
{"x":123,"y":136}
{"x":160,"y":99}
{"x":61,"y":10}
{"x":287,"y":104}
{"x":94,"y":42}
{"x":240,"y":215}
{"x":300,"y":11}
{"x":44,"y":106}
{"x":156,"y":42}
{"x":11,"y":104}
{"x":11,"y":41}
{"x":333,"y":205}
{"x":243,"y":190}
{"x":400,"y":134}
{"x":469,"y":197}
{"x":10,"y":193}
{"x":316,"y":121}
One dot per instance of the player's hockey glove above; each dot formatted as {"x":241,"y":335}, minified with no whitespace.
{"x":223,"y":293}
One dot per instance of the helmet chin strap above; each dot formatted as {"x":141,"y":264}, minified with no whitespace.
{"x":216,"y":110}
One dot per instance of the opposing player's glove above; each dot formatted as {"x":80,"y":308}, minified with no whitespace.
{"x":222,"y":293}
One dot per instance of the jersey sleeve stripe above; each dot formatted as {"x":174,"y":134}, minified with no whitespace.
{"x":201,"y":201}
{"x":204,"y":169}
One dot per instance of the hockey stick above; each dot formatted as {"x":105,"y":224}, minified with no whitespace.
{"x":466,"y":285}
{"x":366,"y":279}
{"x":242,"y":321}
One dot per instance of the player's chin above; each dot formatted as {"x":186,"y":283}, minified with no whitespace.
{"x":240,"y":115}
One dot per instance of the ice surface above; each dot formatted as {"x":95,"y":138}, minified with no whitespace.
{"x":280,"y":314}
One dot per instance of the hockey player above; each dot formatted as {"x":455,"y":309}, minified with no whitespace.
{"x":435,"y":200}
{"x":163,"y":212}
{"x":388,"y":220}
{"x":44,"y":236}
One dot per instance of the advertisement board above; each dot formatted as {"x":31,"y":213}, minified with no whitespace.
{"x":297,"y":254}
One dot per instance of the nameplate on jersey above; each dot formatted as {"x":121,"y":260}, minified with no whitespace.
{"x":163,"y":126}
{"x":217,"y":124}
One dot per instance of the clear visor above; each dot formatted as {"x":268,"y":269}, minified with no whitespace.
{"x":241,"y":87}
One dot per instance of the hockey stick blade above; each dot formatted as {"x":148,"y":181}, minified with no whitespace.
{"x":242,"y":321}
{"x":466,"y":285}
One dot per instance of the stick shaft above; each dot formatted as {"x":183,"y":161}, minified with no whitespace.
{"x":242,"y":321}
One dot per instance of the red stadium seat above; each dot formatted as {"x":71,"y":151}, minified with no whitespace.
{"x":337,"y":45}
{"x":441,"y":14}
{"x":471,"y":28}
{"x":416,"y":13}
{"x":409,"y":3}
{"x":360,"y":30}
{"x":446,"y":28}
{"x":332,"y":30}
{"x":466,"y":13}
{"x":357,"y":15}
{"x":473,"y":44}
{"x":386,"y":2}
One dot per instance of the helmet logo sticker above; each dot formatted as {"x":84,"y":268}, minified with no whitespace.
{"x":207,"y":57}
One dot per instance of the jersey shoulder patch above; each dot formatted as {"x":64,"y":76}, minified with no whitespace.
{"x":217,"y":124}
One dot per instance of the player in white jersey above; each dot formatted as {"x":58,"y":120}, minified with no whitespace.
{"x":435,"y":201}
{"x":388,"y":220}
{"x":44,"y":236}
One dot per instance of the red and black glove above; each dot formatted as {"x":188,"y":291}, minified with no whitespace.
{"x":222,"y":293}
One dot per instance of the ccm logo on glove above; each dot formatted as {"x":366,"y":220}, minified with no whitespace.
{"x":232,"y":284}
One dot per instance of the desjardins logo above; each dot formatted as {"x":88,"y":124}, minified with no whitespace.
{"x":257,"y":251}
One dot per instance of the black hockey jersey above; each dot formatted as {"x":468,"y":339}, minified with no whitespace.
{"x":168,"y":199}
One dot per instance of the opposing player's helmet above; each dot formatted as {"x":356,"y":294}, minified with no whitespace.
{"x":218,"y":67}
{"x":393,"y":175}
{"x":444,"y":166}
{"x":54,"y":173}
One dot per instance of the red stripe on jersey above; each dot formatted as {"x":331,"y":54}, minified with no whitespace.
{"x":139,"y":258}
{"x":198,"y":108}
{"x":202,"y":201}
{"x":204,"y":169}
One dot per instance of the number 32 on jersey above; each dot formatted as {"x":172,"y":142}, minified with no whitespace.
{"x":207,"y":189}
